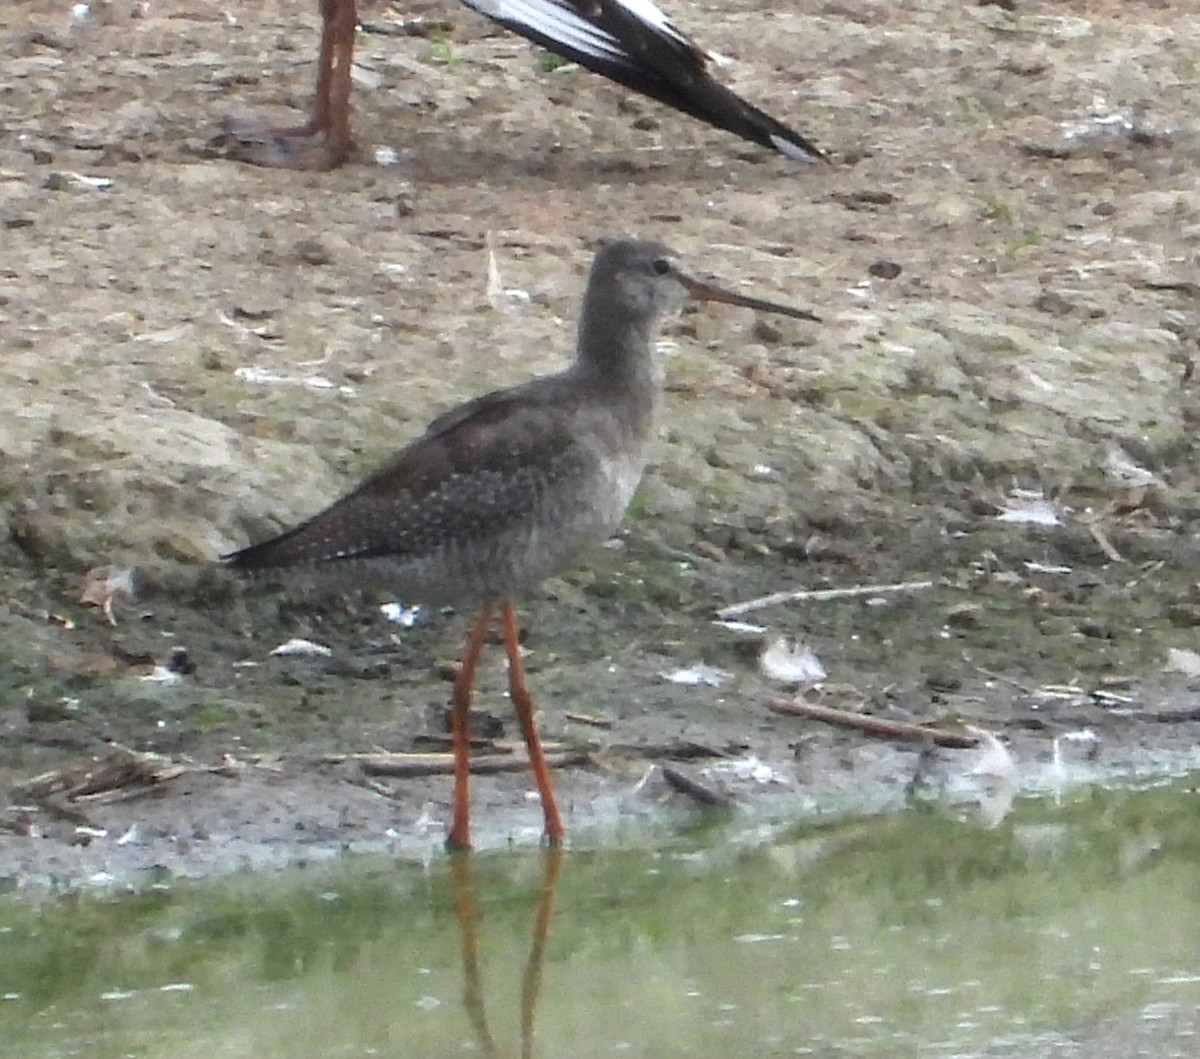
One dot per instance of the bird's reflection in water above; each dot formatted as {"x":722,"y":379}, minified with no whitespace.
{"x":468,"y":919}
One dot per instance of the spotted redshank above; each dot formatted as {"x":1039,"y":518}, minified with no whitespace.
{"x":631,"y":42}
{"x":505,"y":490}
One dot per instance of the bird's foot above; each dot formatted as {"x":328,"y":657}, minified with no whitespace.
{"x":304,"y":147}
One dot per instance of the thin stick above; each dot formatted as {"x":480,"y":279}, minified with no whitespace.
{"x":874,"y":725}
{"x":409,"y":765}
{"x":697,"y":791}
{"x":818,"y":595}
{"x":1102,"y":541}
{"x":587,"y":718}
{"x":1152,"y":568}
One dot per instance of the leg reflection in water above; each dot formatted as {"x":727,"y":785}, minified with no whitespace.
{"x":467,"y":915}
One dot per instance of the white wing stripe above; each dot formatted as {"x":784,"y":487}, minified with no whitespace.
{"x":560,"y":21}
{"x":553,"y":21}
{"x":645,"y":11}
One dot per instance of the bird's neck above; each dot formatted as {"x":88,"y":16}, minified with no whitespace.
{"x":616,"y":358}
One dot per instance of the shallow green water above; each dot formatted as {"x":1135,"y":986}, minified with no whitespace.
{"x":1073,"y":929}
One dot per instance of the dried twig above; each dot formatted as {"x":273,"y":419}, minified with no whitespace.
{"x":587,"y":718}
{"x":874,"y":725}
{"x":676,"y":750}
{"x":1151,"y":568}
{"x":410,"y":765}
{"x":100,"y":777}
{"x":698,"y":792}
{"x":818,"y":595}
{"x":1103,"y":543}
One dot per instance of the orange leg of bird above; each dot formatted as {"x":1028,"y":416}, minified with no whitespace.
{"x":324,"y":141}
{"x":341,"y":21}
{"x":523,"y":703}
{"x":460,"y":730}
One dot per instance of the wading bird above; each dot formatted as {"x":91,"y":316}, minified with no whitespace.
{"x":509,"y":488}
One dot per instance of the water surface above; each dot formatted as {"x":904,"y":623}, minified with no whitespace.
{"x":1072,"y":929}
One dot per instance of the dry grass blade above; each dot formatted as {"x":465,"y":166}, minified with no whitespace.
{"x":818,"y":595}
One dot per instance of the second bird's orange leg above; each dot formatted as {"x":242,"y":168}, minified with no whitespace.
{"x":324,"y":140}
{"x":331,"y":107}
{"x":460,"y":730}
{"x":318,"y":118}
{"x":523,"y":703}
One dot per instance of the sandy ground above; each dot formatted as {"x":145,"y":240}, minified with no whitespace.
{"x":193,"y":353}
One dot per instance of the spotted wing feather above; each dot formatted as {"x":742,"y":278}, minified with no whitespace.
{"x":478,"y":473}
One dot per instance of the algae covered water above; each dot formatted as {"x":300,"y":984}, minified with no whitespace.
{"x":1071,"y":929}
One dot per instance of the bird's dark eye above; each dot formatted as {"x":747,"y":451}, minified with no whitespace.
{"x":661,"y":266}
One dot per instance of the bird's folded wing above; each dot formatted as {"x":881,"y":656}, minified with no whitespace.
{"x":479,"y":471}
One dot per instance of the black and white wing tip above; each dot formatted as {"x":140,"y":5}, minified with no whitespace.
{"x":634,"y":43}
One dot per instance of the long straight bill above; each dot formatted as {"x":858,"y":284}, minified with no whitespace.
{"x":704,"y":291}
